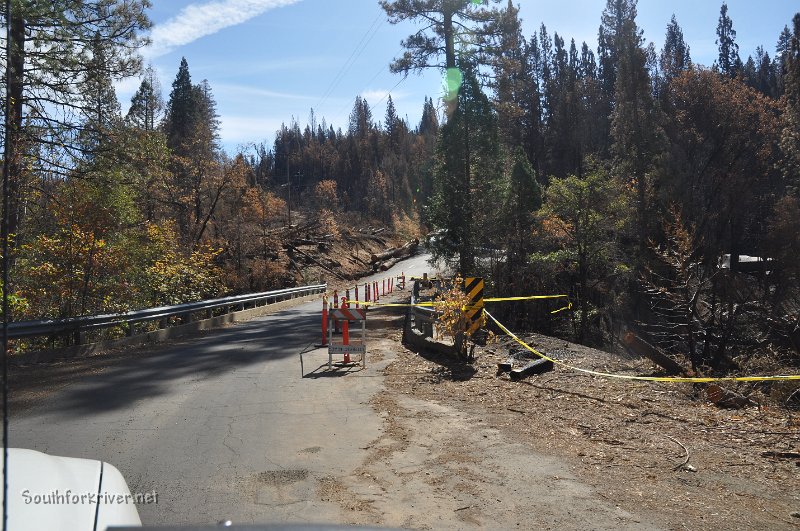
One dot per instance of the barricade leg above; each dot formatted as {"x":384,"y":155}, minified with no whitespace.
{"x":335,"y":305}
{"x":324,"y":320}
{"x":346,"y":334}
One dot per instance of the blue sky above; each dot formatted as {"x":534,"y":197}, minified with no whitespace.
{"x":268,"y":61}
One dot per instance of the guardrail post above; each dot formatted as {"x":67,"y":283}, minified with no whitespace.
{"x":131,"y":329}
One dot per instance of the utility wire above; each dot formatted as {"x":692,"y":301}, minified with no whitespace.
{"x":354,"y":55}
{"x":388,"y":93}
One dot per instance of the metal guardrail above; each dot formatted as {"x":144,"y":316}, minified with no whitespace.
{"x":77,"y":325}
{"x":424,"y":318}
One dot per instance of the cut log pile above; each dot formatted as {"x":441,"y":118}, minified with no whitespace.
{"x":348,"y":255}
{"x":386,"y":259}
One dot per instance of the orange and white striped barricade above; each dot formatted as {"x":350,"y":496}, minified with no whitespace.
{"x":324,"y":320}
{"x":348,"y":346}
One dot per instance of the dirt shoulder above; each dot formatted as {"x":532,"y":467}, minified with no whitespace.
{"x":465,"y":447}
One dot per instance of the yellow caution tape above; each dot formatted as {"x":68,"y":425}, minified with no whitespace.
{"x":393,"y":304}
{"x":567,"y":307}
{"x":490,"y":299}
{"x":670,"y":379}
{"x":528,"y":298}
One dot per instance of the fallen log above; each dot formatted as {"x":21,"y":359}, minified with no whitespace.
{"x":639,"y":346}
{"x":306,"y":241}
{"x":535,"y":367}
{"x":505,"y":366}
{"x":356,"y":259}
{"x":385,"y":266}
{"x":728,"y":399}
{"x":396,"y":252}
{"x":781,"y":455}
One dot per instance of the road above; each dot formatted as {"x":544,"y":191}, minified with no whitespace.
{"x":221,"y":426}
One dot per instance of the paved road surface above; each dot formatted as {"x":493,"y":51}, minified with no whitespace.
{"x":221,"y":426}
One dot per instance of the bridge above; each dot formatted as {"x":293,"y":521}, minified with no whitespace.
{"x":223,"y":426}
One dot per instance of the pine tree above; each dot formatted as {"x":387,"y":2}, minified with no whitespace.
{"x":545,"y":65}
{"x":422,"y":155}
{"x":207,"y":126}
{"x":675,"y":57}
{"x":360,"y":119}
{"x":524,"y":197}
{"x":191,"y":128}
{"x":429,"y":123}
{"x":147,"y":105}
{"x":634,"y":126}
{"x":508,"y":65}
{"x":393,"y":126}
{"x":564,"y":148}
{"x":782,"y":49}
{"x":749,"y":73}
{"x":729,"y":62}
{"x":616,"y":13}
{"x":182,"y":111}
{"x":790,"y":135}
{"x":766,"y":78}
{"x":466,"y":178}
{"x":101,"y":107}
{"x":47,"y":63}
{"x":781,"y":56}
{"x":451,"y":22}
{"x":530,"y":102}
{"x":581,"y":211}
{"x":593,"y":129}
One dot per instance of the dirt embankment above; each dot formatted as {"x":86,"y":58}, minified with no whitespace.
{"x":466,"y":447}
{"x":332,"y":249}
{"x":659,"y":450}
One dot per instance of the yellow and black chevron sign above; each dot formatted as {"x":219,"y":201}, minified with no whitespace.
{"x":473,"y":286}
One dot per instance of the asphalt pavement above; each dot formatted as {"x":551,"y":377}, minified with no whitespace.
{"x":221,"y":426}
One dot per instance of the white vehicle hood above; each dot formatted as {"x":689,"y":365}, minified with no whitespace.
{"x":65,"y":493}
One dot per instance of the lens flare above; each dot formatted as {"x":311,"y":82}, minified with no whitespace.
{"x":452,"y":82}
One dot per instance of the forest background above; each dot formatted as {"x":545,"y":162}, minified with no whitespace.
{"x":659,"y":194}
